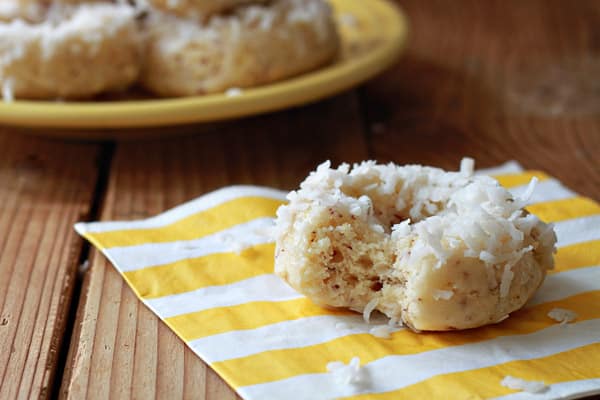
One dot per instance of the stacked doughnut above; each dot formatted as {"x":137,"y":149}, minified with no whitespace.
{"x":79,"y":48}
{"x":67,"y":48}
{"x":438,"y":250}
{"x":207,"y":46}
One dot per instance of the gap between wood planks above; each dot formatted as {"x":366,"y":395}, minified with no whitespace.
{"x":104,"y":167}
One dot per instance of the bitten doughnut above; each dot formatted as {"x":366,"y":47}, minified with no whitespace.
{"x":198,"y":9}
{"x":75,"y":52}
{"x":252,"y":45}
{"x":438,"y":250}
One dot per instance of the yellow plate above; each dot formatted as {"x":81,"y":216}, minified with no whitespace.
{"x":373,"y":33}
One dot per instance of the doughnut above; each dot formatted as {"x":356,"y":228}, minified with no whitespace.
{"x":436,"y":250}
{"x":32,"y":10}
{"x":198,"y":9}
{"x":252,"y":45}
{"x":75,"y":52}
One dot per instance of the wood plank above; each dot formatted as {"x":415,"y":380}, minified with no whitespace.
{"x":45,"y":187}
{"x":496,"y":81}
{"x":120,"y":349}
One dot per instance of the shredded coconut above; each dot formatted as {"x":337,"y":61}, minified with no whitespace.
{"x":233,"y":92}
{"x":467,"y":166}
{"x":442,"y":294}
{"x":562,"y":315}
{"x":342,"y":326}
{"x":369,"y":309}
{"x":7,"y":90}
{"x":507,"y":277}
{"x":381,"y":331}
{"x":520,"y":384}
{"x":501,"y":319}
{"x":524,"y":198}
{"x":235,"y":245}
{"x":84,"y":266}
{"x":345,"y":374}
{"x":435,"y":217}
{"x":348,"y":19}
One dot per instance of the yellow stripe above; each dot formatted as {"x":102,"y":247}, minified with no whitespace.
{"x":253,"y":315}
{"x":575,"y":364}
{"x":195,"y":273}
{"x":195,"y":226}
{"x":196,"y":325}
{"x":245,"y":316}
{"x":523,"y":178}
{"x":281,"y":364}
{"x":560,"y":210}
{"x":586,"y":254}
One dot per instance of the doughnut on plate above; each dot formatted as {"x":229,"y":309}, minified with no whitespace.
{"x":372,"y":35}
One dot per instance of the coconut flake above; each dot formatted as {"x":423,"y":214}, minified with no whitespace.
{"x":524,"y":198}
{"x":507,"y":278}
{"x":7,"y":90}
{"x":233,"y":92}
{"x":348,"y":19}
{"x":521,"y":384}
{"x":501,"y":319}
{"x":467,"y":166}
{"x":345,"y":374}
{"x":342,"y":326}
{"x":442,"y":294}
{"x":369,"y":309}
{"x":381,"y":331}
{"x":562,"y":315}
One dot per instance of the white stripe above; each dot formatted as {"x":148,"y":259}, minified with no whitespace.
{"x":577,"y":230}
{"x":566,"y":284}
{"x":218,"y":296}
{"x":563,"y":390}
{"x":232,"y":240}
{"x":509,"y":167}
{"x":546,"y":190}
{"x":282,"y":335}
{"x":301,"y":332}
{"x":255,"y":232}
{"x":268,"y":287}
{"x":395,"y":372}
{"x":201,"y":203}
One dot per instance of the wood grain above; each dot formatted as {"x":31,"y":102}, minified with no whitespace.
{"x":45,"y":187}
{"x":120,"y":349}
{"x":495,"y":80}
{"x":492,"y":80}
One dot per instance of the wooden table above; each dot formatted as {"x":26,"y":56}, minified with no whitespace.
{"x":492,"y":80}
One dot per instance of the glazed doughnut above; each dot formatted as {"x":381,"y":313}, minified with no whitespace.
{"x":198,"y":9}
{"x":252,"y":45}
{"x":438,"y":250}
{"x":75,"y":52}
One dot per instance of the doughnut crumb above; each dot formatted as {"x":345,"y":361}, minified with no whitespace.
{"x":562,"y":315}
{"x":521,"y":384}
{"x":345,"y":374}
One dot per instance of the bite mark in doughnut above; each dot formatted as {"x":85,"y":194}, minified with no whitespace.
{"x":438,"y":250}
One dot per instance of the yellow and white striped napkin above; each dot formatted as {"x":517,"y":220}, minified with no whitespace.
{"x":205,"y":268}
